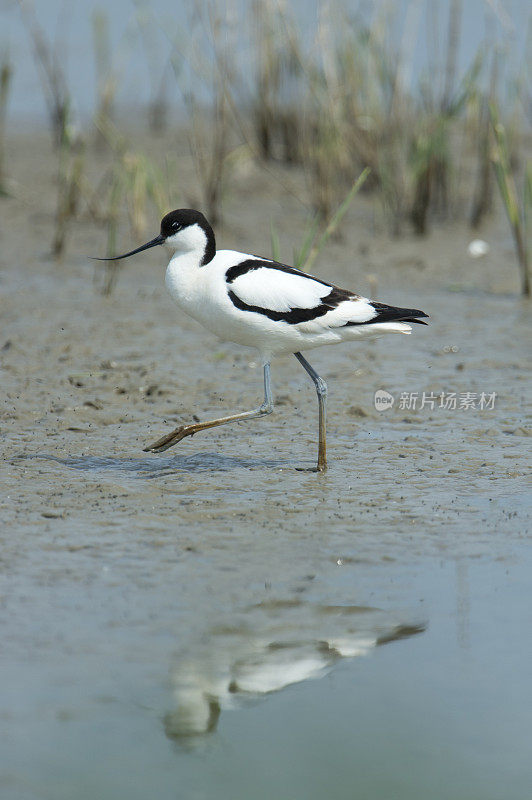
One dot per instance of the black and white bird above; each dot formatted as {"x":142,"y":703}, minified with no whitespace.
{"x":260,"y":303}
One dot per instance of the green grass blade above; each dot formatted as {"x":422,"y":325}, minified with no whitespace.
{"x":336,"y":219}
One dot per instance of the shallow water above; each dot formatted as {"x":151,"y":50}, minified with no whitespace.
{"x":430,"y":696}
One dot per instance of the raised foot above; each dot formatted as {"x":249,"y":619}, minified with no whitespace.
{"x":165,"y":442}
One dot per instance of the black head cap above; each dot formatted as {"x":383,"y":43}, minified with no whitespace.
{"x":181,"y":218}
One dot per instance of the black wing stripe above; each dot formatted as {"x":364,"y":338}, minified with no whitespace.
{"x":296,"y":315}
{"x":252,"y":263}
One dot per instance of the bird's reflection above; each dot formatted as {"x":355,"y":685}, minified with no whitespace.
{"x":274,"y":645}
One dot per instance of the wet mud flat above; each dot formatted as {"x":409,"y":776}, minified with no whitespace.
{"x":154,"y":607}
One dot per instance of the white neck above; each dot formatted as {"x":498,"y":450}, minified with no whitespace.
{"x":191,"y":241}
{"x":184,"y":278}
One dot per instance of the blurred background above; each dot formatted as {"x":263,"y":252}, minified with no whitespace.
{"x":425,"y":106}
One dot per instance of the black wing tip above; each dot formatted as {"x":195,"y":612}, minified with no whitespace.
{"x":393,"y":314}
{"x":415,"y":318}
{"x":412,"y":319}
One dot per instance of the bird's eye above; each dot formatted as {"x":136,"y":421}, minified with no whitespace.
{"x":176,"y":226}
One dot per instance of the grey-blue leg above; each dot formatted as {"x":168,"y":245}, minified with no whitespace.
{"x":189,"y":430}
{"x":268,"y":401}
{"x":321,"y":391}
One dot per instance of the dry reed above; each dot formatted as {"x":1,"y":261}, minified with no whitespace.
{"x":517,"y":212}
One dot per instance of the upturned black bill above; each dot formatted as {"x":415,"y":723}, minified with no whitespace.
{"x":158,"y":240}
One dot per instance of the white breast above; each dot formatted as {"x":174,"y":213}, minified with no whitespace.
{"x":201,"y":291}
